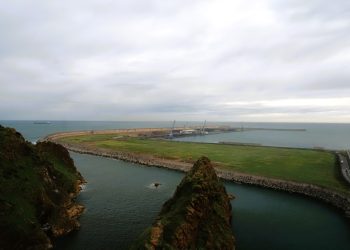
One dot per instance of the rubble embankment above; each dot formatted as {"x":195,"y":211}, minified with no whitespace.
{"x":339,"y":200}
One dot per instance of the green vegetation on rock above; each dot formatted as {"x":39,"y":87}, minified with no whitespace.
{"x":300,"y":165}
{"x":198,"y":216}
{"x":37,"y":184}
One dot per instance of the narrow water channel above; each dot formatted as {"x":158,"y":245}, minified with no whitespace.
{"x":120,"y":204}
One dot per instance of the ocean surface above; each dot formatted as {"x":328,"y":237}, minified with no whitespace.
{"x":329,"y":136}
{"x":120,"y":202}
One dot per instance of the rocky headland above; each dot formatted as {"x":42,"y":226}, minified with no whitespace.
{"x":38,"y":186}
{"x":198,"y":216}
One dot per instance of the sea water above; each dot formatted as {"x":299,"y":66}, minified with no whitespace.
{"x":324,"y":135}
{"x":327,"y":135}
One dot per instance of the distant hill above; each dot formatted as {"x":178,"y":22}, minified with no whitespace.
{"x":198,"y":216}
{"x":38,"y":184}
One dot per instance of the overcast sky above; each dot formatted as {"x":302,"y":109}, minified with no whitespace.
{"x":234,"y":60}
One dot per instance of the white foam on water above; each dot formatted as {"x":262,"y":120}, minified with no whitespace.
{"x":152,"y":186}
{"x":83,"y":188}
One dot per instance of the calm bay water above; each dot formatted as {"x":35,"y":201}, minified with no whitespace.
{"x":120,"y":203}
{"x":329,"y":136}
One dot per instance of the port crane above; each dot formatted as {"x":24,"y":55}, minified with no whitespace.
{"x":202,"y":131}
{"x":171,"y":135}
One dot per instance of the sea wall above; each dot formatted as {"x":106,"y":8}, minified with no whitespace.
{"x":331,"y":197}
{"x":336,"y":199}
{"x":59,"y":135}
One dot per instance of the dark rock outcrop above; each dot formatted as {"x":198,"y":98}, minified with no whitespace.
{"x":198,"y":216}
{"x":38,"y":184}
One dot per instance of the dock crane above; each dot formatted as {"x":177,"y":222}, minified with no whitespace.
{"x":202,"y":132}
{"x":171,"y":135}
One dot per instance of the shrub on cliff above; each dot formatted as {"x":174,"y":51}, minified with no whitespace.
{"x":37,"y":183}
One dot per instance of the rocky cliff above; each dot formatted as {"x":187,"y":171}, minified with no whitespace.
{"x":198,"y":216}
{"x":38,"y":184}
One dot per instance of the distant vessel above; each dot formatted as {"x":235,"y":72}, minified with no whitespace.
{"x":42,"y":122}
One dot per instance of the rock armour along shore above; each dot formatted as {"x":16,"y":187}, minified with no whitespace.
{"x":336,"y":199}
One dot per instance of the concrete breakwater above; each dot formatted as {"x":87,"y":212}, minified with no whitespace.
{"x":331,"y":197}
{"x":56,"y":136}
{"x":341,"y":201}
{"x":160,"y":132}
{"x":150,"y":132}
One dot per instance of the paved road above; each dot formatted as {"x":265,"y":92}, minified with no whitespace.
{"x":345,"y":168}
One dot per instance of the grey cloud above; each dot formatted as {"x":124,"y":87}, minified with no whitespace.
{"x":315,"y":9}
{"x":162,"y":59}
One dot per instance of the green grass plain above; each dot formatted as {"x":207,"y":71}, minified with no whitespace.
{"x":300,"y":165}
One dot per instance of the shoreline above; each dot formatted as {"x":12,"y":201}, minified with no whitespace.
{"x":136,"y":132}
{"x":333,"y":198}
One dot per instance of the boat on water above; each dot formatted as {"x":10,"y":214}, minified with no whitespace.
{"x":41,"y":122}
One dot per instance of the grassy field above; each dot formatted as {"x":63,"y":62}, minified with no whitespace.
{"x":300,"y":165}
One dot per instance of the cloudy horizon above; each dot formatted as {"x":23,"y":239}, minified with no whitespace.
{"x":259,"y":60}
